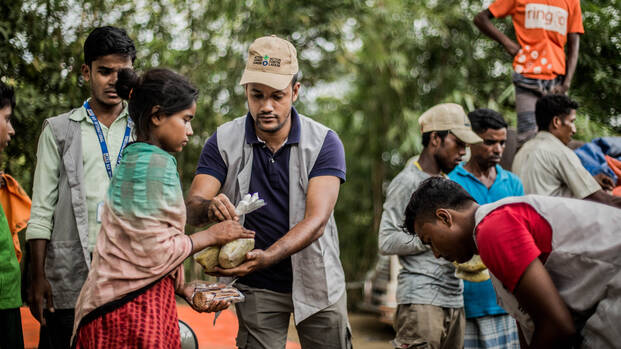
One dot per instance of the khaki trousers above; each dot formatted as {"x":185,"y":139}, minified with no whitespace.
{"x":429,"y":326}
{"x":264,"y":322}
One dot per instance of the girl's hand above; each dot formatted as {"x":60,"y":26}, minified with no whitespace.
{"x":216,"y":306}
{"x":188,"y":289}
{"x":228,"y":231}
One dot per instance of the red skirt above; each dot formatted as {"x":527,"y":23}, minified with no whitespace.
{"x":147,"y":321}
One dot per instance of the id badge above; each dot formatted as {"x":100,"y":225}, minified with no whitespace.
{"x":99,"y":211}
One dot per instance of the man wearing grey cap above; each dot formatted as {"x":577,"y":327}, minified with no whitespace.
{"x":297,"y":166}
{"x":430,"y":310}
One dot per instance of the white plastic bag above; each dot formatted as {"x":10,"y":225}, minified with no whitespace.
{"x":248,"y":204}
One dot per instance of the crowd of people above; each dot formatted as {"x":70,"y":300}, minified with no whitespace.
{"x":106,"y":233}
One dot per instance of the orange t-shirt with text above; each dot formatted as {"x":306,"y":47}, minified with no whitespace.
{"x":541,"y":27}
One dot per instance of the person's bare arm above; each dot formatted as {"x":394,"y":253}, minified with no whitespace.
{"x":204,"y":204}
{"x":40,"y":289}
{"x":321,"y":197}
{"x":605,"y":198}
{"x":573,"y":47}
{"x":605,"y":182}
{"x":483,"y":21}
{"x":536,"y":293}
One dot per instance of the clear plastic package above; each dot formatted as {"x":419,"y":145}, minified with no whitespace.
{"x":249,"y":203}
{"x":205,"y":294}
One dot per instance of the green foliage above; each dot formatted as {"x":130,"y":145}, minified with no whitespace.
{"x":369,"y":69}
{"x":597,"y":85}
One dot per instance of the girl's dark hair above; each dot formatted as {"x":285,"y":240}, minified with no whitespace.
{"x":157,"y":92}
{"x":7,"y":96}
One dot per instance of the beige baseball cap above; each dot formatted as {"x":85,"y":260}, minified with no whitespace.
{"x":272,"y":61}
{"x":449,"y":117}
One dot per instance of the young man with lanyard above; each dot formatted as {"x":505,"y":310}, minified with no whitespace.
{"x":487,"y":324}
{"x":554,"y":262}
{"x":430,"y":306}
{"x":297,"y":166}
{"x":542,"y":28}
{"x":76,"y":156}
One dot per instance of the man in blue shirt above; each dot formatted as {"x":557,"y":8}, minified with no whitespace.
{"x":487,"y":324}
{"x":297,"y":166}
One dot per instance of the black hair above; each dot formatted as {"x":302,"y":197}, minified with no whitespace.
{"x":108,"y":40}
{"x":294,"y":79}
{"x":483,"y":119}
{"x":427,"y":136}
{"x":7,"y":96}
{"x":159,"y":88}
{"x":434,"y":193}
{"x":549,"y":106}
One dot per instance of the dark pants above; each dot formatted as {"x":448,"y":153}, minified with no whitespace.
{"x":264,"y":321}
{"x":527,"y":92}
{"x":57,"y":333}
{"x":11,"y":326}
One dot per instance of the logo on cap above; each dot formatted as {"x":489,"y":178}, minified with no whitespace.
{"x":266,"y":61}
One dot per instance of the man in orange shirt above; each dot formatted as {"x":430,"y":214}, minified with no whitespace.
{"x":542,"y":27}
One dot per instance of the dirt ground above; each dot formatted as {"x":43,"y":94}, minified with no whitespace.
{"x":368,"y":332}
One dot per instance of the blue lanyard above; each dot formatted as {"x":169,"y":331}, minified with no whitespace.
{"x":102,"y":140}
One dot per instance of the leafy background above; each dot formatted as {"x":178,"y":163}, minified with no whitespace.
{"x":369,"y":69}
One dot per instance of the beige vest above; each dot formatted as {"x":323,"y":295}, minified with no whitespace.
{"x":318,"y":278}
{"x":585,"y":265}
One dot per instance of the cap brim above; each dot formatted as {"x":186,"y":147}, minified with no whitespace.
{"x":466,"y":135}
{"x":277,"y":81}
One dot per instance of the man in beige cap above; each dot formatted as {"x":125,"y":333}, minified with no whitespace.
{"x":430,"y":310}
{"x":297,"y":166}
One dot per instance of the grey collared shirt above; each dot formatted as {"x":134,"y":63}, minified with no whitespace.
{"x":423,"y":279}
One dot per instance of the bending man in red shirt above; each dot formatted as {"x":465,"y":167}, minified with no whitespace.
{"x":555,"y":262}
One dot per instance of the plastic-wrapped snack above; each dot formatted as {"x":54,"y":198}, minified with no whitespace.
{"x":234,"y":253}
{"x":208,"y":258}
{"x":205,"y":295}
